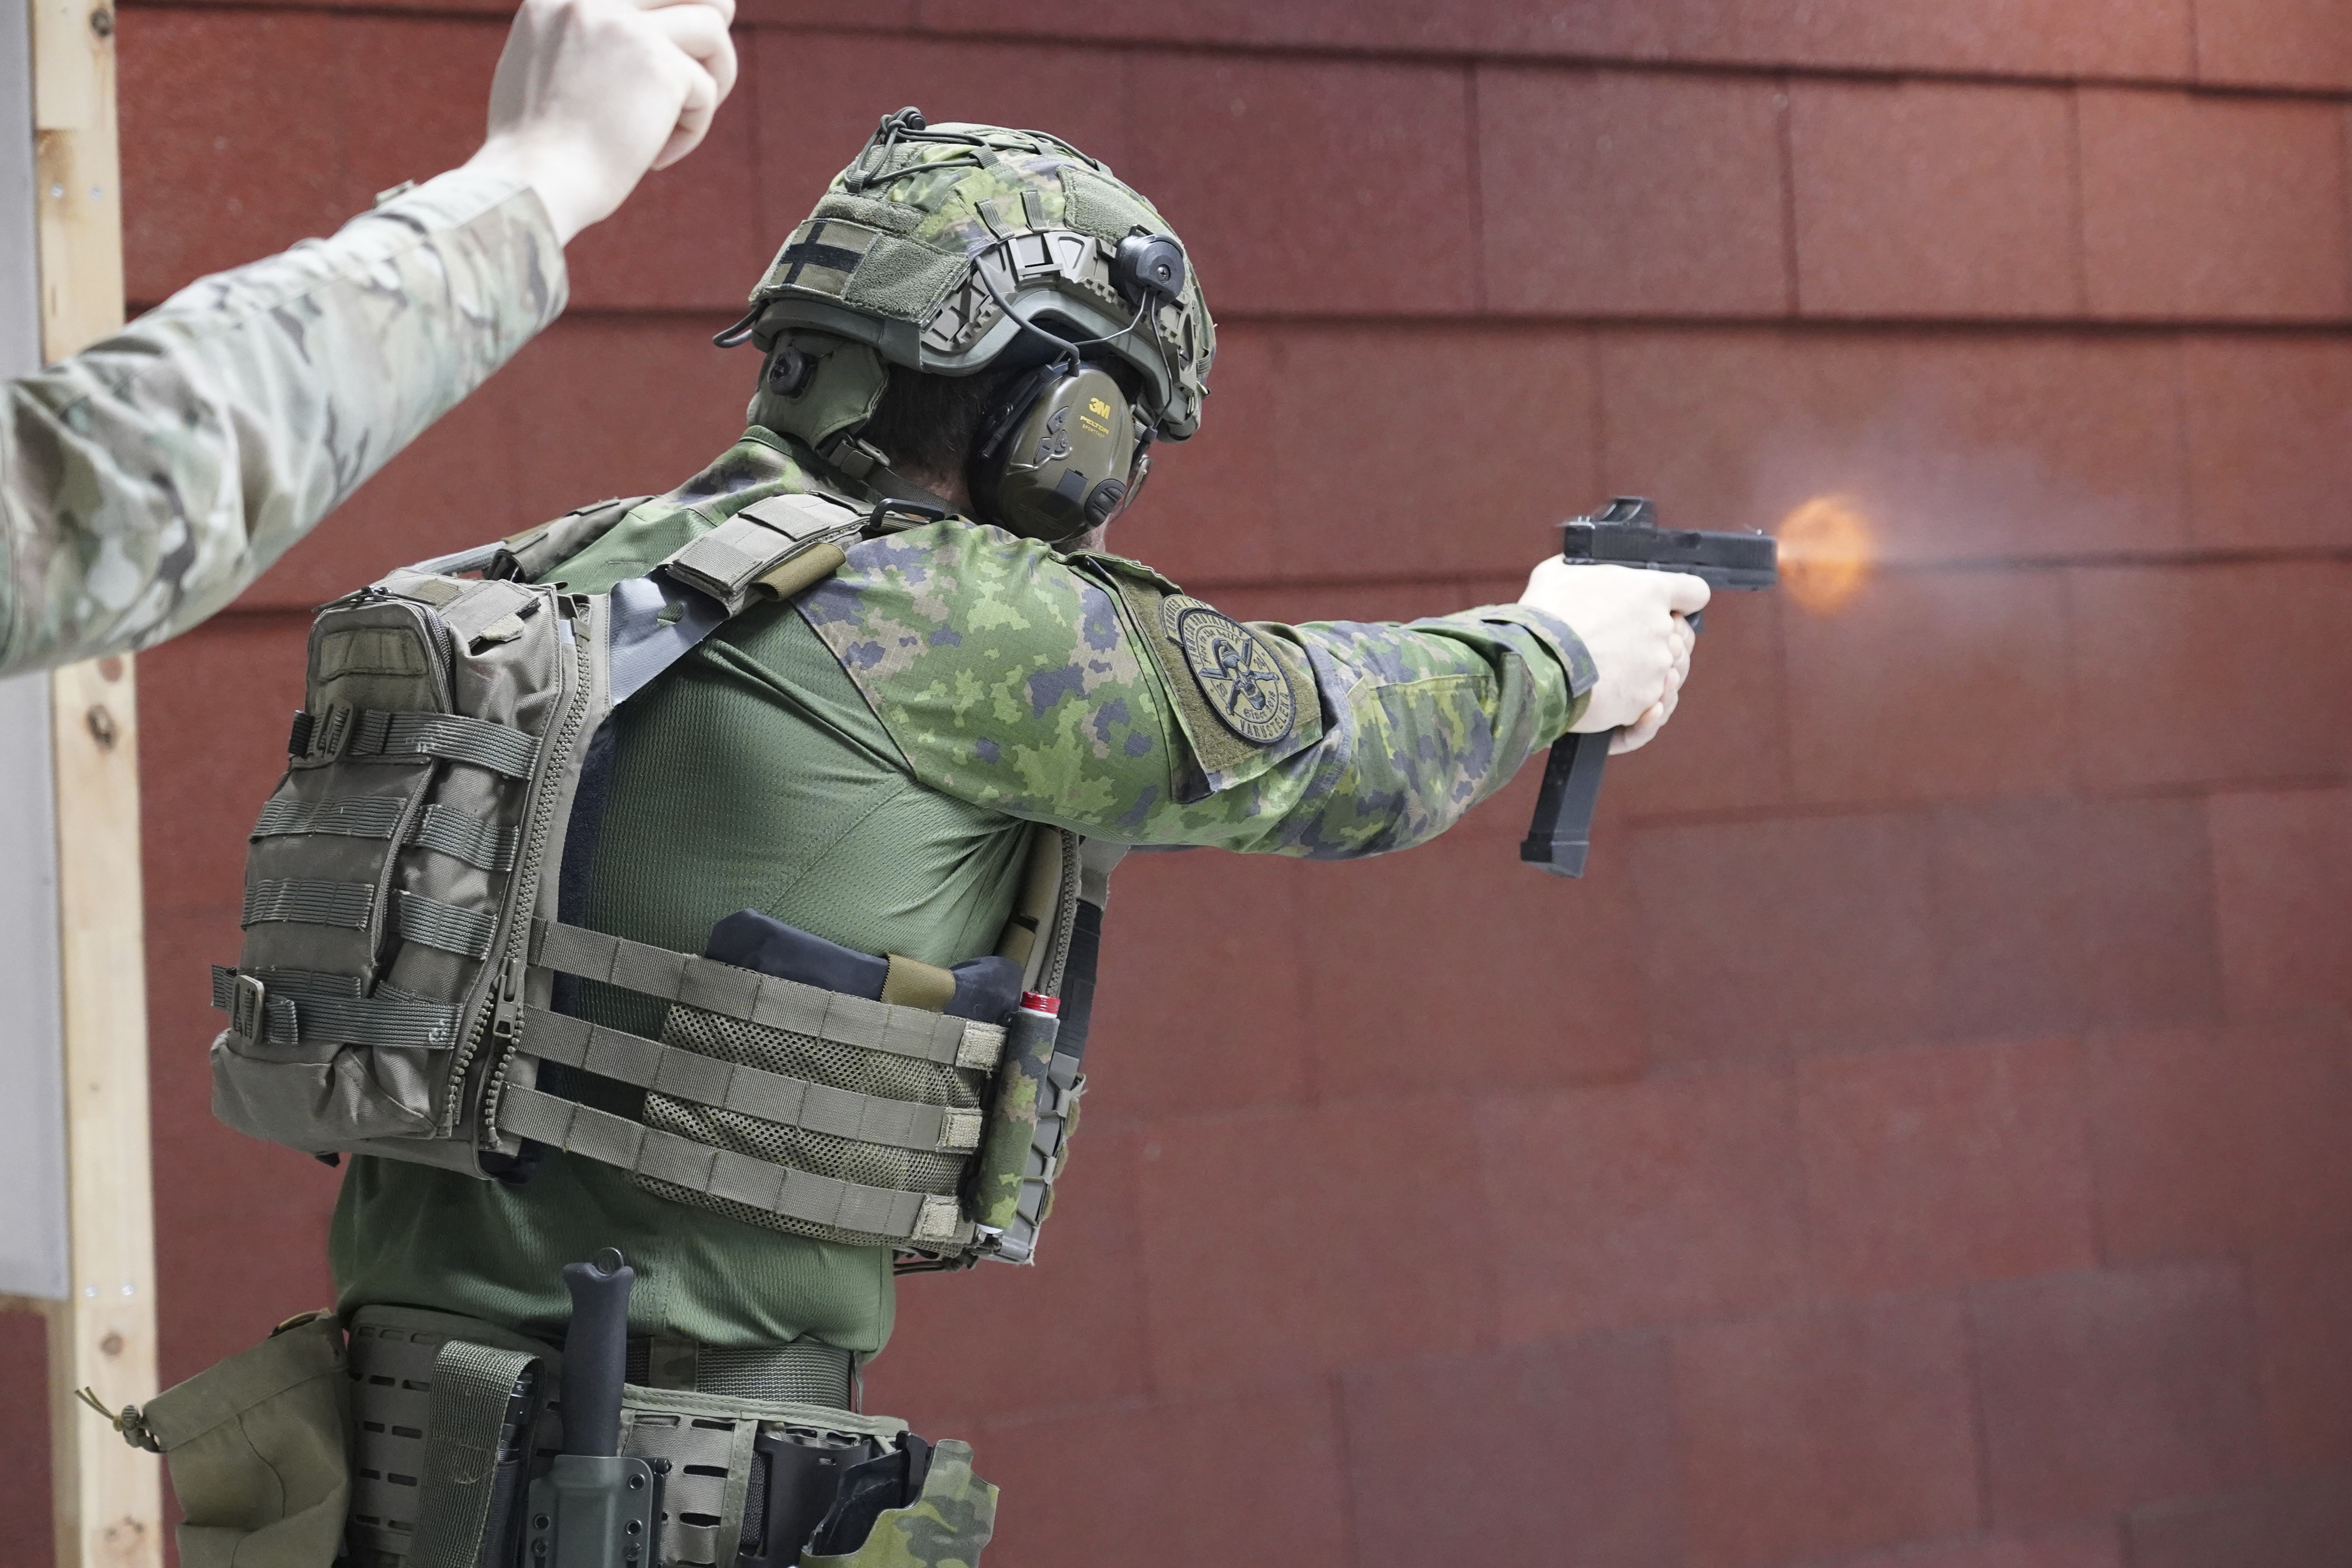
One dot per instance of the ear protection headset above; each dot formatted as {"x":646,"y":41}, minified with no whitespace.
{"x":1062,"y":450}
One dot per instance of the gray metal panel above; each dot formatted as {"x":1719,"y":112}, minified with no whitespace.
{"x":33,"y":1258}
{"x":20,"y":284}
{"x":32,"y":1057}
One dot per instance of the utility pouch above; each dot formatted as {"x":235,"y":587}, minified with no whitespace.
{"x":919,"y":1507}
{"x":257,"y":1450}
{"x":395,"y":870}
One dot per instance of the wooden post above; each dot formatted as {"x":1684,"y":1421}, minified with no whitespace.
{"x":109,"y":1496}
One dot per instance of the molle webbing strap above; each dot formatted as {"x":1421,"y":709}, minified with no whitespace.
{"x":477,"y":844}
{"x":920,"y":1219}
{"x":348,"y":905}
{"x":467,"y":932}
{"x":297,"y":1006}
{"x":474,"y":1389}
{"x":770,"y":1096}
{"x":765,"y":999}
{"x":344,"y":904}
{"x":501,"y":748}
{"x":375,"y":816}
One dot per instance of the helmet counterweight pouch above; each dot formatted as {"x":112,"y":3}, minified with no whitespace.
{"x":402,"y":934}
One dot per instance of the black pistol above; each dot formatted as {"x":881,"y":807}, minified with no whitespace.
{"x":594,"y":1508}
{"x":1626,"y":533}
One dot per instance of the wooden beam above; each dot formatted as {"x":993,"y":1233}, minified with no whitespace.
{"x":109,"y":1496}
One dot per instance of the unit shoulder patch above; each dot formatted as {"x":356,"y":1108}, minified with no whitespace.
{"x":1244,"y":687}
{"x":1243,"y":700}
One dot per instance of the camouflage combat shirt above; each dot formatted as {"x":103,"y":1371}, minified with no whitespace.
{"x":146,"y":480}
{"x":865,"y":762}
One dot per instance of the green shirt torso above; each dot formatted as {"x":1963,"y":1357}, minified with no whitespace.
{"x":866,"y":765}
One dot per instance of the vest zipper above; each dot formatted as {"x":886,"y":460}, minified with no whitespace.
{"x":503,"y":1022}
{"x":1054,"y":969}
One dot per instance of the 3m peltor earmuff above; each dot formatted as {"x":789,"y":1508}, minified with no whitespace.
{"x":1062,"y":449}
{"x":1057,"y":453}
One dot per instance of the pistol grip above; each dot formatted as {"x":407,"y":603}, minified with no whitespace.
{"x":1561,"y":834}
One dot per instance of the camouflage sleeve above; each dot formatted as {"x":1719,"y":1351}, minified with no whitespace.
{"x":1093,"y":694}
{"x":1421,"y":721}
{"x":146,"y":480}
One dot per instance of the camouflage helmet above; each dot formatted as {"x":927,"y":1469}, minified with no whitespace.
{"x":937,"y":242}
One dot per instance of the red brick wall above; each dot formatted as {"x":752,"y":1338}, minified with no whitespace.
{"x":1926,"y":1126}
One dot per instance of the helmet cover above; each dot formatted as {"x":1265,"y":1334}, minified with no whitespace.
{"x":937,"y":243}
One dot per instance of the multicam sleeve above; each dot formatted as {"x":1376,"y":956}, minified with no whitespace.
{"x":145,"y":481}
{"x":1087,"y":695}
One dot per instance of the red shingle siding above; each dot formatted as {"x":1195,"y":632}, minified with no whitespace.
{"x":1920,"y":1141}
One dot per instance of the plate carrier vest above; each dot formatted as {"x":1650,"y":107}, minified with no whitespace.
{"x":395,"y":992}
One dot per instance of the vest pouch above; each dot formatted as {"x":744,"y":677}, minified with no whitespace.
{"x":945,"y":1526}
{"x":1033,"y":1108}
{"x":391,"y":878}
{"x":258,"y":1447}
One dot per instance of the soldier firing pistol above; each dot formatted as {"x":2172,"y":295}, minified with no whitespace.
{"x":1626,"y":533}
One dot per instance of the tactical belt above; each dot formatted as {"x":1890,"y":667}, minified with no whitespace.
{"x":804,"y":1372}
{"x":431,"y":1392}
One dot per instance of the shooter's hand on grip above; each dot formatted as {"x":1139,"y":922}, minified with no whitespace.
{"x":1634,"y":624}
{"x":1633,"y":591}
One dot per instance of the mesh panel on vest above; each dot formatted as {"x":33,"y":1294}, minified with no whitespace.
{"x":824,"y":1061}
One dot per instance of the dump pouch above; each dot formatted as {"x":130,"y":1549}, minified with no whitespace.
{"x":256,"y":1450}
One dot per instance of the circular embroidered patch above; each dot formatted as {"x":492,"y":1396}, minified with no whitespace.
{"x":1245,"y":688}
